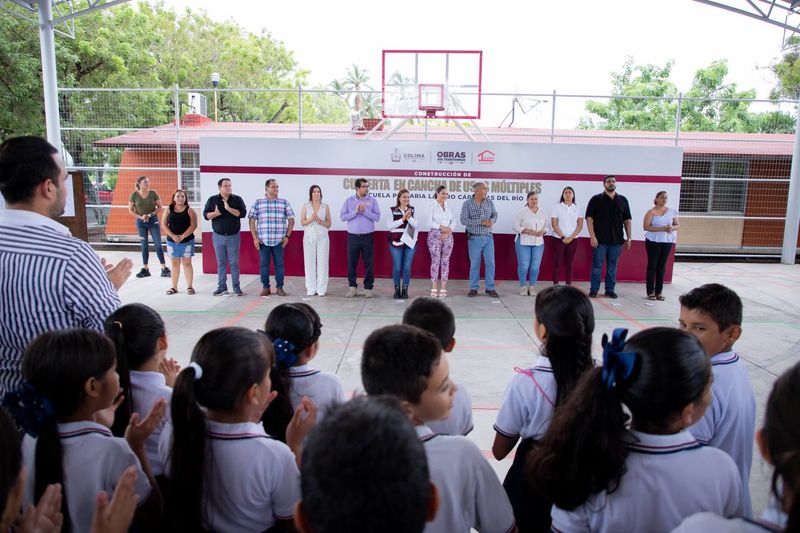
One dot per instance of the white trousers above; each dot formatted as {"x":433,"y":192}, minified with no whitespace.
{"x":316,"y":246}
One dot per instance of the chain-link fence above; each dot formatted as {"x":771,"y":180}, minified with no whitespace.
{"x":737,"y":153}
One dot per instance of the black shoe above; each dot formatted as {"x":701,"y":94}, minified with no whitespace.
{"x":404,"y":293}
{"x":143,"y":273}
{"x":612,"y":294}
{"x":592,"y":294}
{"x":165,"y":272}
{"x":472,"y":292}
{"x":492,"y":293}
{"x":397,"y":293}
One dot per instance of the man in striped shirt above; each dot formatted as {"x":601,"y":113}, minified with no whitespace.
{"x":479,"y":215}
{"x":271,"y":223}
{"x":48,"y":279}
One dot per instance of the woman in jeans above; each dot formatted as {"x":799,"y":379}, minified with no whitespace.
{"x":660,"y":226}
{"x":402,"y":254}
{"x":145,"y":205}
{"x":179,"y":222}
{"x":567,"y":223}
{"x":530,"y":223}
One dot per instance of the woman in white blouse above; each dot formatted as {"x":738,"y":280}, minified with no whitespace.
{"x":567,"y":224}
{"x":661,"y":230}
{"x":440,"y":224}
{"x":530,"y":223}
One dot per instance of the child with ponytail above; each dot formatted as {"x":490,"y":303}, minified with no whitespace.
{"x":145,"y":373}
{"x":225,"y":473}
{"x":603,"y":474}
{"x":71,"y":381}
{"x":563,"y":322}
{"x":295,"y":329}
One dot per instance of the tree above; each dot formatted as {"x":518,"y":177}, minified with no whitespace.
{"x":787,"y":70}
{"x":710,"y":104}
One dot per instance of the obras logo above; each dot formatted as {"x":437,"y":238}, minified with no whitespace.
{"x":444,"y":156}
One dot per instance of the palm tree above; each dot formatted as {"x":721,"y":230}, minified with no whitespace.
{"x":356,"y":81}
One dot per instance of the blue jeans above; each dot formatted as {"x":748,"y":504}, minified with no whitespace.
{"x":226,"y":248}
{"x":402,"y":256}
{"x":609,"y":253}
{"x":154,"y":229}
{"x":481,"y":245}
{"x":276,"y":252}
{"x":528,"y":260}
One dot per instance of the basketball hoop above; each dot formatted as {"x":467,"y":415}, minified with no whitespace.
{"x":430,"y":98}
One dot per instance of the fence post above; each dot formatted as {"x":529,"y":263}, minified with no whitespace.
{"x":299,"y":111}
{"x":789,"y":250}
{"x":177,"y":101}
{"x":678,"y":118}
{"x":553,"y":119}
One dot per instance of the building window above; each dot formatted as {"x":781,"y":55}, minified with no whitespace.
{"x":714,"y":185}
{"x":190,"y":175}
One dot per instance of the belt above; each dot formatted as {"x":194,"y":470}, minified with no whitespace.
{"x":227,"y":234}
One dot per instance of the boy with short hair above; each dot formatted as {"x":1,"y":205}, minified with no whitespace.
{"x":365,"y":470}
{"x":713,"y":314}
{"x":408,"y":362}
{"x":435,"y":316}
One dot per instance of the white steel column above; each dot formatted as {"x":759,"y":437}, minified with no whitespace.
{"x":789,"y":250}
{"x":47,"y":47}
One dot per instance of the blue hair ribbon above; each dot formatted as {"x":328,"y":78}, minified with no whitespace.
{"x":29,"y":408}
{"x":285,"y":352}
{"x":617,"y":364}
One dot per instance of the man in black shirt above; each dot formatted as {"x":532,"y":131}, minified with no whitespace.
{"x":606,"y":215}
{"x":224,"y":211}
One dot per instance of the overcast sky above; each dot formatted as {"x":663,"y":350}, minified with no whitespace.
{"x":536,"y":46}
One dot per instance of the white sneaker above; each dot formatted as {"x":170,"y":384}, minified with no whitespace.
{"x":523,"y":291}
{"x":351,"y":292}
{"x":309,"y":294}
{"x":367,"y":293}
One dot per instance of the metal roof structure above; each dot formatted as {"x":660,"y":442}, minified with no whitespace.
{"x":784,"y":14}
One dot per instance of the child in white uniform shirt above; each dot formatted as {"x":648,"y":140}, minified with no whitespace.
{"x":225,"y":473}
{"x":408,"y":362}
{"x":145,"y":374}
{"x":364,"y":469}
{"x":563,"y":322}
{"x":294,"y":330}
{"x":713,"y":314}
{"x":779,"y":444}
{"x":70,"y":382}
{"x":436,"y":317}
{"x":605,"y":476}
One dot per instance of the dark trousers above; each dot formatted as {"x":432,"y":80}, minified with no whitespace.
{"x":531,"y":509}
{"x":567,"y":253}
{"x":657,"y":255}
{"x":360,"y":245}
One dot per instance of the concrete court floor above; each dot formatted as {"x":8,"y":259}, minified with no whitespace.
{"x":493,"y":335}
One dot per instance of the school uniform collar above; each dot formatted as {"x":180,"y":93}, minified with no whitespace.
{"x":69,"y":430}
{"x":724,"y":358}
{"x":648,"y":443}
{"x":237,"y":431}
{"x":24,"y":217}
{"x":424,"y":433}
{"x":149,"y":377}
{"x":543,"y":363}
{"x":301,"y":371}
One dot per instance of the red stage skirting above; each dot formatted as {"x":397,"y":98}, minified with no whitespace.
{"x":632,"y":263}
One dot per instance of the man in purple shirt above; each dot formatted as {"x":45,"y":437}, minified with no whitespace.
{"x":361,"y":212}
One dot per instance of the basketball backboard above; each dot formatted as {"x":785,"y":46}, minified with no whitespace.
{"x":431,"y":83}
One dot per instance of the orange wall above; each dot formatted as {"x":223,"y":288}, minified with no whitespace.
{"x":766,"y":199}
{"x":164,"y":182}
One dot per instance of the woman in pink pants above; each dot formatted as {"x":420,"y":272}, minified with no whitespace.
{"x":440,"y":223}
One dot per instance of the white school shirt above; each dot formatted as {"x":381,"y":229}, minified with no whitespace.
{"x":438,"y":216}
{"x":252,"y":482}
{"x":527,"y":219}
{"x":666,"y":479}
{"x":460,"y":420}
{"x":93,"y":460}
{"x":528,"y":403}
{"x":146,"y":389}
{"x":323,"y":388}
{"x":705,"y":522}
{"x":470,"y":493}
{"x":567,"y":217}
{"x":729,"y":423}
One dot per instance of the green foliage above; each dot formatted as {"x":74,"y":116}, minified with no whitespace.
{"x":644,"y":99}
{"x":787,"y":70}
{"x":356,"y":79}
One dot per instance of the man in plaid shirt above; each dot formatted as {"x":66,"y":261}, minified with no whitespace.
{"x":478,"y":215}
{"x":271,"y":223}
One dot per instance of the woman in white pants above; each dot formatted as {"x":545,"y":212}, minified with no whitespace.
{"x":316,"y":219}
